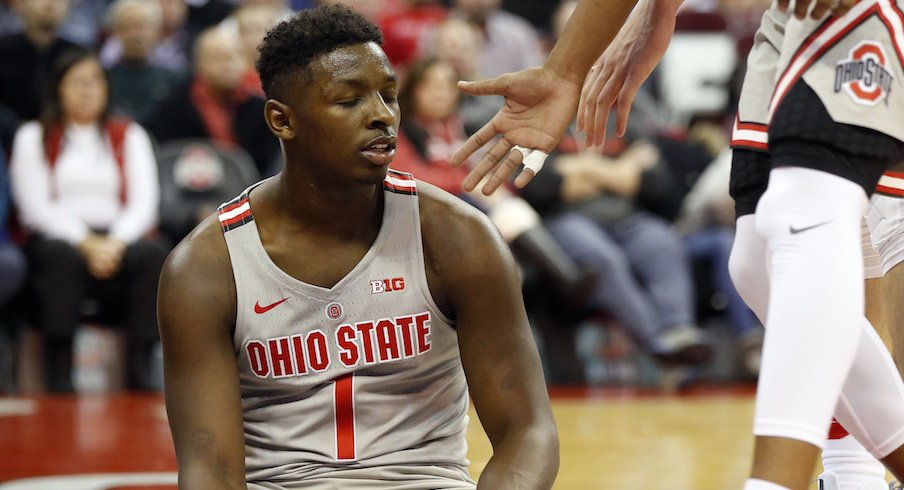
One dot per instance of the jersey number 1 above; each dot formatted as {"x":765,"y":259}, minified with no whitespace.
{"x":345,"y":418}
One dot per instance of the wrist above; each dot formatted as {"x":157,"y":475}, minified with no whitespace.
{"x":563,"y":72}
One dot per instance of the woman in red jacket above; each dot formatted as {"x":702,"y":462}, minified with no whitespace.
{"x":86,"y":188}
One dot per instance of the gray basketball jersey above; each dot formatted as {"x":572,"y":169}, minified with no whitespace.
{"x":854,"y":63}
{"x":355,"y":386}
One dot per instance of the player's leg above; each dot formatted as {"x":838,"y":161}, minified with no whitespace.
{"x":885,"y":219}
{"x":846,"y":463}
{"x":808,"y":219}
{"x":893,"y":291}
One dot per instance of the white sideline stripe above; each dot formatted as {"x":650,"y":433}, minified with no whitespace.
{"x":91,"y":482}
{"x":16,"y":406}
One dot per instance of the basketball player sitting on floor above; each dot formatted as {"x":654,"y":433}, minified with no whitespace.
{"x":324,"y":329}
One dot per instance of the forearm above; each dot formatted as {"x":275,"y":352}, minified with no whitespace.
{"x":591,"y":29}
{"x":527,"y":458}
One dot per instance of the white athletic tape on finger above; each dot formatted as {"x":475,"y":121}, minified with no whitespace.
{"x":524,"y":151}
{"x":534,"y":161}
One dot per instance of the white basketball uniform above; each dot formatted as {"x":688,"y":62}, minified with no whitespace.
{"x":883,"y":227}
{"x":355,"y":386}
{"x":853,"y":66}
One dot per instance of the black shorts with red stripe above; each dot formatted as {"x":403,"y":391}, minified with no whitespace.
{"x":803,"y":134}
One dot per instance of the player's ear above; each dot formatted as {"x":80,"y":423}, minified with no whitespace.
{"x":280,"y":119}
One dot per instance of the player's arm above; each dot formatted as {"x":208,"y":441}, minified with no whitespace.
{"x":476,"y":280}
{"x":541,"y":101}
{"x":196,"y":311}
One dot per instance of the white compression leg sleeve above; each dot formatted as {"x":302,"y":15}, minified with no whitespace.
{"x":748,"y":268}
{"x":810,"y":222}
{"x":844,"y":456}
{"x":871,"y":406}
{"x":752,"y":484}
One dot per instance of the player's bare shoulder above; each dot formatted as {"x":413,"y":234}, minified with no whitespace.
{"x":451,"y":226}
{"x":198,"y":272}
{"x":461,"y":245}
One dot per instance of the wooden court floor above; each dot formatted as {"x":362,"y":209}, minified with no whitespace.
{"x":610,"y":439}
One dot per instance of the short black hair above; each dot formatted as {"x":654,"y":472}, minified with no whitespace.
{"x":293,"y":43}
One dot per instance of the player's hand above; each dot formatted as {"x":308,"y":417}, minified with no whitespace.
{"x":837,"y":7}
{"x":539,"y":106}
{"x":617,"y":76}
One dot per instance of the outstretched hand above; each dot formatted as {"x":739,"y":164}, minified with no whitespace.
{"x":539,"y":106}
{"x":617,"y":76}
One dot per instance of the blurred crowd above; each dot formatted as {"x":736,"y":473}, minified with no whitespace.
{"x":124,"y":123}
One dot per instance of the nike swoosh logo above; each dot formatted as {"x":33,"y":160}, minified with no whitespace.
{"x":263,"y":309}
{"x":795,"y":231}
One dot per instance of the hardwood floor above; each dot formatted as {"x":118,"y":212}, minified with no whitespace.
{"x":609,"y":440}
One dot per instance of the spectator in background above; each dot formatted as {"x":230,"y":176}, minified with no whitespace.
{"x":9,"y":21}
{"x":509,"y":43}
{"x":251,"y":22}
{"x":373,"y":10}
{"x":431,"y":132}
{"x":216,"y":105}
{"x":81,"y":25}
{"x":645,"y":275}
{"x":171,"y":50}
{"x":405,"y":33}
{"x":12,"y":261}
{"x":26,"y":60}
{"x":204,"y":14}
{"x":136,"y":85}
{"x":85,"y":186}
{"x":707,"y":220}
{"x":457,"y":42}
{"x":85,"y":21}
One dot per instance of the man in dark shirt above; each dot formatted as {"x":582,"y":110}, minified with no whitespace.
{"x":27,"y":58}
{"x":137,"y":86}
{"x":214,"y":104}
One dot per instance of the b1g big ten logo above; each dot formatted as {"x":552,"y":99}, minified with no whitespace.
{"x":353,"y":344}
{"x":387,"y":285}
{"x":864,"y":75}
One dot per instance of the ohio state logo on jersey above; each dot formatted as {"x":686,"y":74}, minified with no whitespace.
{"x":349,"y":345}
{"x":387,"y":285}
{"x":864,"y":75}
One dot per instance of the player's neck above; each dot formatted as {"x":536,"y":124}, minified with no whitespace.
{"x":342,"y":211}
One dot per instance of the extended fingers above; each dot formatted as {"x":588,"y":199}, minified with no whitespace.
{"x":843,"y":7}
{"x":477,"y":140}
{"x":800,"y":8}
{"x":597,"y":132}
{"x":503,"y":170}
{"x":624,"y":102}
{"x":585,"y":90}
{"x":492,"y":86}
{"x":821,"y":9}
{"x":490,"y":160}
